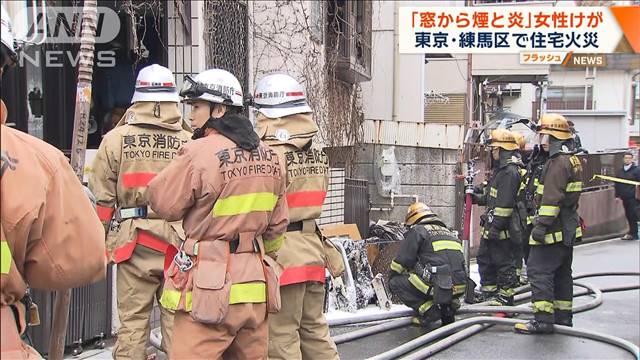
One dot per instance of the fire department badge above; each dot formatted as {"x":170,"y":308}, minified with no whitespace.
{"x":282,"y":134}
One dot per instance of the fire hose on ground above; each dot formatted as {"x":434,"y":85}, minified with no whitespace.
{"x":394,"y":324}
{"x":403,"y":317}
{"x":522,"y":292}
{"x":483,"y":320}
{"x":476,"y":324}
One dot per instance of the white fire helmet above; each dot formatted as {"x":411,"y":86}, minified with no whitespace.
{"x":8,"y":37}
{"x":280,"y":95}
{"x":213,"y":85}
{"x":155,"y":83}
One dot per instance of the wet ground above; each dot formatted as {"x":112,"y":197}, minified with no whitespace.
{"x":618,"y":316}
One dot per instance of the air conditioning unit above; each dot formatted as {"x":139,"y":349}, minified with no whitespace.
{"x":353,"y":36}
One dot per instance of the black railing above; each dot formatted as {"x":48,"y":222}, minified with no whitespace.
{"x":356,"y":204}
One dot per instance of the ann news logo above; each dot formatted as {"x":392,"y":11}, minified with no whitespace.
{"x":63,"y":25}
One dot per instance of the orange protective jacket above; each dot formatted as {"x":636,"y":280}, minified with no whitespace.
{"x":144,"y":142}
{"x":223,"y":193}
{"x":307,"y":174}
{"x":51,"y":237}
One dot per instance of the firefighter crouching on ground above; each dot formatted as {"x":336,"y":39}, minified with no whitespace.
{"x":556,"y":229}
{"x":495,"y":258}
{"x":51,"y":237}
{"x":428,"y":274}
{"x":229,"y":188}
{"x":284,"y":121}
{"x":142,"y":144}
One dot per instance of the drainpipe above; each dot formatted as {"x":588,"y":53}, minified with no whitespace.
{"x":586,"y":86}
{"x":250,"y":40}
{"x":395,"y":62}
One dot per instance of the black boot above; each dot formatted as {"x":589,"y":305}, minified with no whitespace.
{"x":430,"y":316}
{"x":447,"y":314}
{"x":486,"y":296}
{"x":501,"y":300}
{"x":564,"y":318}
{"x":534,"y":327}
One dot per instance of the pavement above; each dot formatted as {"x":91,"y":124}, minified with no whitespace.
{"x":618,"y":316}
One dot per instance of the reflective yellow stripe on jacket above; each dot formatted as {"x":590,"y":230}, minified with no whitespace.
{"x":244,"y":204}
{"x":504,"y":212}
{"x":575,"y":186}
{"x":548,"y":210}
{"x":273,"y":245}
{"x":170,"y":299}
{"x":254,"y":292}
{"x":397,"y":267}
{"x":551,"y":239}
{"x":5,"y":257}
{"x":504,"y":234}
{"x":440,"y":245}
{"x":418,"y":283}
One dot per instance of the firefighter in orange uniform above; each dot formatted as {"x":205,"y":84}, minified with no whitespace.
{"x":229,"y":188}
{"x":285,"y":123}
{"x":51,"y":238}
{"x":143,"y":143}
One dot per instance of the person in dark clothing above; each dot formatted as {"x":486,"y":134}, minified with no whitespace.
{"x":428,"y":274}
{"x":495,"y":256}
{"x":627,"y":193}
{"x":556,"y":229}
{"x":535,"y":164}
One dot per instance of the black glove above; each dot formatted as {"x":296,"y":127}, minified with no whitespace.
{"x":494,"y":234}
{"x":538,"y":233}
{"x":475,"y":198}
{"x":479,"y":189}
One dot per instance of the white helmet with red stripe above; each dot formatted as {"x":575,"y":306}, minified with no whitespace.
{"x":214,"y":85}
{"x":279,"y":95}
{"x":155,"y":83}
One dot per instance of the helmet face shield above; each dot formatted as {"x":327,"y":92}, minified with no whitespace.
{"x":542,"y":139}
{"x":192,"y":90}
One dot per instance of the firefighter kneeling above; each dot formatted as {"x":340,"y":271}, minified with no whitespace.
{"x":428,"y":274}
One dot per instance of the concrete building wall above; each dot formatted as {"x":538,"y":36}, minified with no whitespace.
{"x":446,"y":75}
{"x":377,"y":94}
{"x":600,"y":130}
{"x":394,"y":116}
{"x":522,"y":105}
{"x":428,"y":173}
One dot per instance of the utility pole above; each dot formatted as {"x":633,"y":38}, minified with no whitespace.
{"x":78,"y":149}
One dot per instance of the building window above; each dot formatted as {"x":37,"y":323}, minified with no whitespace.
{"x":570,"y":98}
{"x":349,"y":35}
